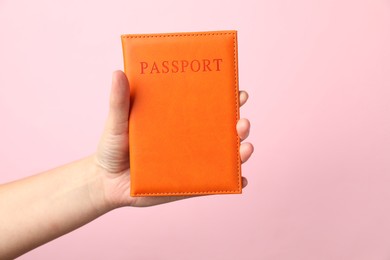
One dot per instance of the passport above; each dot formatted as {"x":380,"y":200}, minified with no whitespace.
{"x":184,"y":107}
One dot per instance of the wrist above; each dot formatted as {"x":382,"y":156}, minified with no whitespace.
{"x":96,"y":187}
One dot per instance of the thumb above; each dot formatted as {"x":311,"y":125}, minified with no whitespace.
{"x":113,"y":149}
{"x":118,"y":116}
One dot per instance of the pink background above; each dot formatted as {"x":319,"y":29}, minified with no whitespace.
{"x":318,"y":74}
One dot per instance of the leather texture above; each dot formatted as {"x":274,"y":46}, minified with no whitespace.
{"x":184,"y":110}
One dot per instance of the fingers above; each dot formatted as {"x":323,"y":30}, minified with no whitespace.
{"x":244,"y":182}
{"x":246,"y":150}
{"x":243,"y":128}
{"x":151,"y":201}
{"x":243,"y":96}
{"x":119,"y":103}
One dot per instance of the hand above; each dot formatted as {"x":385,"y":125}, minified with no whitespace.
{"x":112,"y":156}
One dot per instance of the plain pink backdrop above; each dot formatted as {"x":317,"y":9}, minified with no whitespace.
{"x":318,"y":74}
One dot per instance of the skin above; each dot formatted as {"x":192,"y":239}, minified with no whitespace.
{"x":40,"y":208}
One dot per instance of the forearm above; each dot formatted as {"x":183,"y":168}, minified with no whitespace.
{"x":43,"y":207}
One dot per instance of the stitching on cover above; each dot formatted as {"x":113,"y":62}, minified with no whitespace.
{"x":237,"y":105}
{"x":186,"y":192}
{"x":236,"y":94}
{"x":175,"y":35}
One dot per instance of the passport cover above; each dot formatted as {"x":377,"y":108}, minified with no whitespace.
{"x":184,"y":107}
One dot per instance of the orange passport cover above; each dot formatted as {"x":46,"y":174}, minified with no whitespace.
{"x":184,"y":110}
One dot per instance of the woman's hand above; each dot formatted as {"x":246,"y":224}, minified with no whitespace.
{"x":112,"y":156}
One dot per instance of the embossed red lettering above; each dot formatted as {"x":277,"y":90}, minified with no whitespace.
{"x":144,"y":65}
{"x":175,"y":66}
{"x":218,"y":60}
{"x":206,"y":64}
{"x":182,"y":66}
{"x":154,"y":68}
{"x":195,"y":65}
{"x":165,"y":68}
